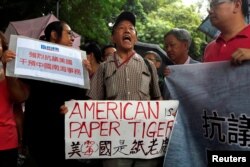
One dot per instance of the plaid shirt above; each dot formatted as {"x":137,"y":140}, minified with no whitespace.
{"x":130,"y":81}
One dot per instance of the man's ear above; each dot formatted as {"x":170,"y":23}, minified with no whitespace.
{"x":238,"y":5}
{"x":186,"y":45}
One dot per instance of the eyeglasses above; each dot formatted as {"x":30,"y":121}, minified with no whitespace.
{"x":214,"y":3}
{"x":70,"y":33}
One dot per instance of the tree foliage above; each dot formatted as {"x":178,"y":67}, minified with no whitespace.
{"x":154,"y":18}
{"x":168,"y":16}
{"x":92,"y":19}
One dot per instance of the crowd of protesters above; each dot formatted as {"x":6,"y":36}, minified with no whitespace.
{"x":116,"y":72}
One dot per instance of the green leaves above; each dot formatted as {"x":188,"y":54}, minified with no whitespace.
{"x":91,"y":18}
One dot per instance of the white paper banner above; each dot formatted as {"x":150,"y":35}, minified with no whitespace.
{"x":118,"y":129}
{"x":45,"y":61}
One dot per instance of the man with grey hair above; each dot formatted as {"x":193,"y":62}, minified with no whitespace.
{"x":177,"y":43}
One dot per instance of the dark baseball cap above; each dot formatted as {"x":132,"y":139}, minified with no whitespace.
{"x":125,"y":16}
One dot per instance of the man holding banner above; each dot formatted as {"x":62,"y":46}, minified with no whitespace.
{"x":125,"y":76}
{"x":212,"y":125}
{"x":233,"y":43}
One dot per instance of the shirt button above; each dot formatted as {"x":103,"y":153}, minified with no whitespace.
{"x":128,"y":93}
{"x":128,"y":79}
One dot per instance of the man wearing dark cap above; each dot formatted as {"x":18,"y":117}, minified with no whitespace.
{"x":125,"y":76}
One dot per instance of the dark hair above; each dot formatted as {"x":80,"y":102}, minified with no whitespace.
{"x":245,"y":8}
{"x":93,"y":47}
{"x":56,"y":26}
{"x":106,"y":47}
{"x":3,"y":41}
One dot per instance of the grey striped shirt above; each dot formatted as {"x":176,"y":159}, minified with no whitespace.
{"x":130,"y":81}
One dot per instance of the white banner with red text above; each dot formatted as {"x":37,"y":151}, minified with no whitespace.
{"x":118,"y":129}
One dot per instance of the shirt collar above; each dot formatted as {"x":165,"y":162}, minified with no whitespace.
{"x":188,"y":60}
{"x":243,"y":34}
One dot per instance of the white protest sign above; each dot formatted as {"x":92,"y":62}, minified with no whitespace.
{"x":45,"y":61}
{"x":118,"y":129}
